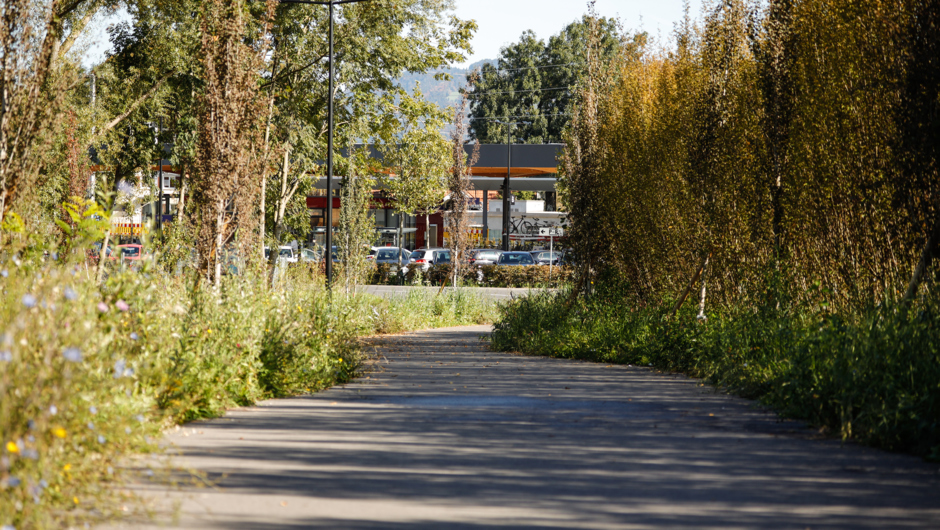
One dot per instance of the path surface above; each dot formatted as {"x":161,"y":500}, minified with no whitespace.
{"x":445,"y":434}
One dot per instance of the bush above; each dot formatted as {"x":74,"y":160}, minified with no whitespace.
{"x":485,"y":276}
{"x":90,"y":374}
{"x":873,"y":376}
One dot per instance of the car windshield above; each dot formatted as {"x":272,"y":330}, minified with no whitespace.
{"x":286,"y":253}
{"x":444,"y":257}
{"x":490,"y":255}
{"x":515,"y":259}
{"x":391,"y":253}
{"x":418,"y":254}
{"x":130,"y":251}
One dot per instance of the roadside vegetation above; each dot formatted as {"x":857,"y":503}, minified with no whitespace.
{"x":92,"y":373}
{"x":756,"y":203}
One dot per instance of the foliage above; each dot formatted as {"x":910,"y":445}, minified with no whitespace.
{"x":533,"y":80}
{"x":485,"y":276}
{"x":90,"y":373}
{"x":871,"y":376}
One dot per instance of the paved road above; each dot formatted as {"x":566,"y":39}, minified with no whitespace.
{"x":445,"y":434}
{"x":490,"y":293}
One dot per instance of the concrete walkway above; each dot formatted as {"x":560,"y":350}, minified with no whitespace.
{"x":445,"y":434}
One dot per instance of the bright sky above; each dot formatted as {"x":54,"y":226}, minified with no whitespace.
{"x":503,"y":21}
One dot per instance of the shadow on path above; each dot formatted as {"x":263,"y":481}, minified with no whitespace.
{"x":443,"y":433}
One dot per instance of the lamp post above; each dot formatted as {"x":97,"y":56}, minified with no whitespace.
{"x":328,"y":251}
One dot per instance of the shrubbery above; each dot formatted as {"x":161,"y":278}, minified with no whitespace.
{"x":873,"y":376}
{"x":91,"y":374}
{"x":485,"y":276}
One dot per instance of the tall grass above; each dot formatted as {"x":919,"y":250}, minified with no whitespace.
{"x":90,"y":374}
{"x":872,"y":375}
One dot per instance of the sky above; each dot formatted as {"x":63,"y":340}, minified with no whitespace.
{"x":503,"y":21}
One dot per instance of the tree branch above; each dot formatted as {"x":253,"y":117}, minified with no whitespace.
{"x":114,"y":123}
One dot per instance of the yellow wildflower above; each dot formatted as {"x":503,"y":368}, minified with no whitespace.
{"x":66,"y":467}
{"x":59,"y":432}
{"x":12,"y":447}
{"x":75,"y":500}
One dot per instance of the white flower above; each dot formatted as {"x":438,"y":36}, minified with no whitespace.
{"x":29,"y":300}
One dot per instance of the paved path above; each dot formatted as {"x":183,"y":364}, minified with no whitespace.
{"x":496,"y":294}
{"x":445,"y":434}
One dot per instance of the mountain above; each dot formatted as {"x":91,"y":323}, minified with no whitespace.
{"x":443,"y":93}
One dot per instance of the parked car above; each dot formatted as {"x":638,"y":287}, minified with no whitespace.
{"x":515,"y":259}
{"x":425,"y":257}
{"x":284,"y":253}
{"x":484,"y":256}
{"x":544,"y":257}
{"x":389,"y":255}
{"x":128,"y":252}
{"x":307,"y":254}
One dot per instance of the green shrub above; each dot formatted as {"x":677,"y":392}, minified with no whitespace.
{"x":873,"y":376}
{"x":90,"y":374}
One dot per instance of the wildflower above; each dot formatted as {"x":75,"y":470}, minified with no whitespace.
{"x":134,"y":336}
{"x":119,"y":366}
{"x":29,"y":300}
{"x":55,"y":256}
{"x":121,"y":305}
{"x":75,"y":500}
{"x":127,"y":430}
{"x":90,"y":425}
{"x":6,"y":356}
{"x":7,"y":526}
{"x":93,"y":409}
{"x":53,"y":410}
{"x":101,"y":439}
{"x":102,"y":307}
{"x":72,"y":354}
{"x":31,"y":424}
{"x":12,"y":448}
{"x":4,"y":273}
{"x":139,"y":418}
{"x":13,"y":482}
{"x":209,"y":331}
{"x":70,"y":294}
{"x":59,"y":432}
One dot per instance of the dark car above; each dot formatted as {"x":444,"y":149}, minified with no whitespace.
{"x":515,"y":259}
{"x":390,"y":255}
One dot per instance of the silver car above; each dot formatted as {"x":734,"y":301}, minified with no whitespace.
{"x":423,"y":258}
{"x":484,"y":256}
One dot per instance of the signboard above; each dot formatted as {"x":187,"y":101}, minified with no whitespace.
{"x":551,"y":231}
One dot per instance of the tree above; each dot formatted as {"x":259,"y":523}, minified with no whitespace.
{"x":533,"y":81}
{"x":459,"y":185}
{"x":228,"y":164}
{"x":415,"y":152}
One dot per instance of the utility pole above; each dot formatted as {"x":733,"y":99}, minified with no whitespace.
{"x":507,"y":190}
{"x":328,"y":251}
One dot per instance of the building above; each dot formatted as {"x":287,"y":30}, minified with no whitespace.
{"x":529,"y":167}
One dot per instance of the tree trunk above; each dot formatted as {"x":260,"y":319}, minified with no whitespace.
{"x":688,"y":288}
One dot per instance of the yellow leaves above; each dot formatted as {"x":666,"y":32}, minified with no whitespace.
{"x":12,"y":448}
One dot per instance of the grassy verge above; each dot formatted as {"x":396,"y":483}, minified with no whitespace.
{"x":90,"y":374}
{"x":873,"y":376}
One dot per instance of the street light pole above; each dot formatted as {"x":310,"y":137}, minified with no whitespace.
{"x":328,"y":251}
{"x":506,"y":191}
